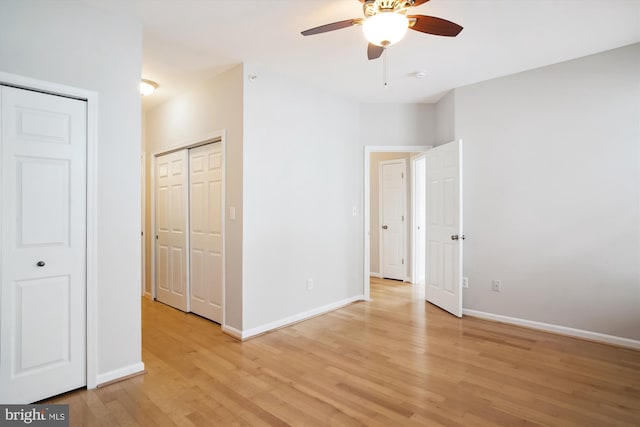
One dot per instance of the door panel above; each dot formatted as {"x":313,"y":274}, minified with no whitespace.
{"x":42,"y":344}
{"x":392,"y":217}
{"x":43,"y":185}
{"x":206,"y":230}
{"x":419,"y":219}
{"x":43,"y":291}
{"x":444,"y":220}
{"x":171,"y":226}
{"x":163,"y":267}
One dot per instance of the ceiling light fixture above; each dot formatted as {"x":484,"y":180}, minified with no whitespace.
{"x":385,"y":28}
{"x":147,"y":87}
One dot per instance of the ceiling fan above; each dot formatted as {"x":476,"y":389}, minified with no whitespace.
{"x":386,"y":22}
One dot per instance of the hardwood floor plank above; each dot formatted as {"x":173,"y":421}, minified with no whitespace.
{"x":393,"y":361}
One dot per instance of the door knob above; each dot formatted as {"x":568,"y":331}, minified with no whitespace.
{"x":40,"y":264}
{"x":456,"y":237}
{"x":384,"y":227}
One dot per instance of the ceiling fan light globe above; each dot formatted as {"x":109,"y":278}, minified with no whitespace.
{"x":385,"y":28}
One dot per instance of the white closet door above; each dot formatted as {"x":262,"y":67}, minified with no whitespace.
{"x":172,"y":230}
{"x":43,"y":302}
{"x":206,"y":230}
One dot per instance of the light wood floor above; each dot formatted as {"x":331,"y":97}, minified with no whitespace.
{"x":395,"y":361}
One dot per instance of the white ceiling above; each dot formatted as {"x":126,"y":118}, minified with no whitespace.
{"x":189,"y":41}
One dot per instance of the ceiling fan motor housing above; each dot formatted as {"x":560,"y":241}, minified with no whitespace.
{"x":373,"y":7}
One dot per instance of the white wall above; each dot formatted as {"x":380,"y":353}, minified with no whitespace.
{"x":374,"y":182}
{"x":189,"y":118}
{"x":296,"y":162}
{"x":551,"y":193}
{"x":70,"y":43}
{"x":397,"y":124}
{"x":303,"y":176}
{"x":445,"y":119}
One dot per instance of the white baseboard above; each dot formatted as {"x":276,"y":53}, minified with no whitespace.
{"x":376,"y":275}
{"x":235,"y":333}
{"x":249,"y":333}
{"x":120,"y":373}
{"x":562,"y":330}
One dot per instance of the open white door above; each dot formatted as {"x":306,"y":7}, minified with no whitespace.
{"x":142,"y":223}
{"x":393,"y":194}
{"x":206,"y":230}
{"x":43,"y":144}
{"x":444,"y":227}
{"x":419,"y":171}
{"x":172,"y":210}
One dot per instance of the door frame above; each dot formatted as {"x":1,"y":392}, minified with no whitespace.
{"x":91,"y":99}
{"x":405,"y":222}
{"x":208,"y":138}
{"x":366,"y":240}
{"x":414,"y":159}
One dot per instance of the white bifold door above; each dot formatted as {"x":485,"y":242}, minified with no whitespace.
{"x":189,"y":211}
{"x":444,"y":227}
{"x":43,"y":142}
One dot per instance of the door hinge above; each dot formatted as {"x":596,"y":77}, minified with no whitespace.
{"x":402,"y":218}
{"x":402,"y":175}
{"x":402,"y":261}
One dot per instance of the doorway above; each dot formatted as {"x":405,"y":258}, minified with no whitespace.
{"x":371,"y":221}
{"x":443,"y":222}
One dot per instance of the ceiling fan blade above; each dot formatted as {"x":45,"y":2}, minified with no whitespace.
{"x":332,"y":27}
{"x":433,"y":25}
{"x":374,"y":52}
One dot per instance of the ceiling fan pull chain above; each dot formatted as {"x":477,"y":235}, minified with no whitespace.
{"x":384,"y":70}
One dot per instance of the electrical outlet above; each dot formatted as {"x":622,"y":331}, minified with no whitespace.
{"x":496,"y":286}
{"x":465,"y":282}
{"x":309,"y":284}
